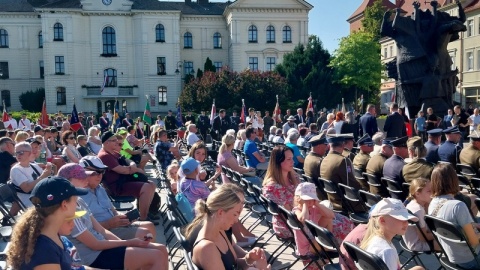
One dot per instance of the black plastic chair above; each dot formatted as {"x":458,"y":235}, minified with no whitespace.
{"x":365,"y":260}
{"x":369,"y":199}
{"x":322,"y":195}
{"x":375,"y":183}
{"x":358,"y":173}
{"x":466,"y":170}
{"x":354,"y":201}
{"x":449,"y":232}
{"x":394,"y":189}
{"x":328,"y":242}
{"x":334,"y":195}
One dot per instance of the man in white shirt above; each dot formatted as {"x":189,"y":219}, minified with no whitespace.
{"x":474,"y":120}
{"x":24,"y":123}
{"x":192,"y":136}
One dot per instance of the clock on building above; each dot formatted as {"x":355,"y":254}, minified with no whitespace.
{"x":106,"y":2}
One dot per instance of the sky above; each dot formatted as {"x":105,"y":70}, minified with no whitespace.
{"x":327,"y":19}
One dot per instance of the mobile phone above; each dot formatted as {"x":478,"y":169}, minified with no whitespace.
{"x":133,"y":215}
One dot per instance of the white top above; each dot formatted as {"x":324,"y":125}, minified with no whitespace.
{"x":254,"y":121}
{"x":192,"y":138}
{"x":475,"y":120}
{"x":20,"y":175}
{"x":160,"y":123}
{"x":412,"y":237}
{"x":338,"y":126}
{"x":24,"y":124}
{"x":386,"y":251}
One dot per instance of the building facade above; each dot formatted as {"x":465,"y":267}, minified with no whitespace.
{"x":93,"y":52}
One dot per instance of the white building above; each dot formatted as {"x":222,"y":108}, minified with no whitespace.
{"x":141,"y":47}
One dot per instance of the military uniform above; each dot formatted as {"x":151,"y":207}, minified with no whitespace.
{"x":170,"y":122}
{"x":348,"y":154}
{"x":234,"y":121}
{"x":375,"y":164}
{"x":267,"y":123}
{"x":449,"y":152}
{"x":432,"y":152}
{"x":361,"y":160}
{"x":393,"y":168}
{"x":471,"y":156}
{"x":190,"y":118}
{"x":418,"y":167}
{"x":311,"y":166}
{"x":203,"y":125}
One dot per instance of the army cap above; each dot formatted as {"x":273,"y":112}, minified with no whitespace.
{"x":365,"y":140}
{"x":318,"y":139}
{"x":452,"y":130}
{"x":435,"y":132}
{"x":400,"y":142}
{"x":347,"y":136}
{"x":475,"y":136}
{"x":335,"y":138}
{"x":414,"y":142}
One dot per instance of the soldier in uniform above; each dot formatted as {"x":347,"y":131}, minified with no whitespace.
{"x":419,"y":166}
{"x":434,"y":141}
{"x":337,"y":168}
{"x":189,"y":117}
{"x":203,"y":124}
{"x":393,"y":165}
{"x":267,"y":123}
{"x":470,"y":155}
{"x":234,"y":121}
{"x":376,"y":163}
{"x":170,"y":121}
{"x":449,"y":151}
{"x":365,"y":144}
{"x":348,"y":146}
{"x":313,"y":160}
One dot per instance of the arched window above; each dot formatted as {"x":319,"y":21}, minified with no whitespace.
{"x":111,"y":77}
{"x":40,"y":40}
{"x":58,"y":32}
{"x":270,"y":34}
{"x":159,"y":33}
{"x":252,"y":34}
{"x":109,"y":42}
{"x":6,"y":97}
{"x":3,"y":38}
{"x":187,"y":40}
{"x":287,"y":34}
{"x":61,"y":96}
{"x":217,"y":41}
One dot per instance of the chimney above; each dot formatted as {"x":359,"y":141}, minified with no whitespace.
{"x":202,"y":2}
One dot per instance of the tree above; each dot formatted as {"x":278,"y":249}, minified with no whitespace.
{"x":199,"y":73}
{"x":306,"y":70}
{"x":357,"y":64}
{"x":208,"y":66}
{"x":32,"y":100}
{"x":372,"y":19}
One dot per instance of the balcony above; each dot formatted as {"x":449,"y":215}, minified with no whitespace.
{"x":121,"y":91}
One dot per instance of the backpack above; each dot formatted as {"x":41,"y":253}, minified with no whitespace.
{"x":184,"y":206}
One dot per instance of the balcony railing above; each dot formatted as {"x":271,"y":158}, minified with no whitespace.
{"x":120,"y":91}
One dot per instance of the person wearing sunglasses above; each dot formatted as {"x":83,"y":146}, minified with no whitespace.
{"x":103,"y":209}
{"x":7,"y":150}
{"x":70,"y":150}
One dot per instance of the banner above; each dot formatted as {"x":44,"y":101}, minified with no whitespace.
{"x":75,"y":124}
{"x":212,"y":113}
{"x":147,"y":116}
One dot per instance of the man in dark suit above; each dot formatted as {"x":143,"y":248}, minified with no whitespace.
{"x":189,"y":117}
{"x":203,"y":124}
{"x":299,"y":118}
{"x":221,"y":124}
{"x":234,"y":121}
{"x":394,"y":125}
{"x":127,"y":121}
{"x":368,"y":122}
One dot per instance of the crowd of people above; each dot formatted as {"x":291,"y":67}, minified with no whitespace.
{"x":64,"y":181}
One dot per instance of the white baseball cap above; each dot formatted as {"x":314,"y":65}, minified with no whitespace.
{"x":393,"y":208}
{"x":306,"y":191}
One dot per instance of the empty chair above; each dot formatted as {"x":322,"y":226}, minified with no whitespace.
{"x":354,"y":202}
{"x":376,"y":185}
{"x":466,"y":170}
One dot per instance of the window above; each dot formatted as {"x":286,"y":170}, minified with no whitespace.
{"x":470,"y":30}
{"x":40,"y":40}
{"x":271,"y":61}
{"x":252,"y":34}
{"x":111,"y":77}
{"x":159,"y":33}
{"x":59,"y":65}
{"x":478,"y":60}
{"x":162,"y":95}
{"x":61,"y":96}
{"x":161,"y":66}
{"x":188,"y":68}
{"x":4,"y":70}
{"x":42,"y":70}
{"x":187,"y":40}
{"x":109,"y":42}
{"x":253,"y":63}
{"x":3,"y":38}
{"x":270,"y":34}
{"x":58,"y":32}
{"x":469,"y":60}
{"x":217,"y":41}
{"x":452,"y":57}
{"x":287,"y":34}
{"x":6,"y":98}
{"x":385,"y":53}
{"x":218,"y":66}
{"x":391,"y":50}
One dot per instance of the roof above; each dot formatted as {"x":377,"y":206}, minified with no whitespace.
{"x":368,"y":3}
{"x":21,"y":5}
{"x":474,"y":5}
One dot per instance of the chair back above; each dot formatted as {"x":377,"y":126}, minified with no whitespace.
{"x":394,"y":188}
{"x":466,"y":170}
{"x":325,"y":238}
{"x":369,"y":199}
{"x":334,"y":195}
{"x":322,"y":195}
{"x":351,"y":196}
{"x":375,"y":183}
{"x":365,"y":260}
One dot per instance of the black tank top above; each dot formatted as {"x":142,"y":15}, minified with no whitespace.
{"x":227,"y":258}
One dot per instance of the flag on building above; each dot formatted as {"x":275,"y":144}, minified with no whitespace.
{"x":44,"y":121}
{"x":147,"y":116}
{"x":6,"y":118}
{"x":310,"y":104}
{"x":243,"y":114}
{"x":277,"y":113}
{"x":179,"y":115}
{"x":213,"y":112}
{"x":75,"y":124}
{"x":105,"y":81}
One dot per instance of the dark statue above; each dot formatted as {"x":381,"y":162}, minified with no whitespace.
{"x":422,"y":68}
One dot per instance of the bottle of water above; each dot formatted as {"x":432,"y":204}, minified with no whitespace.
{"x":43,"y":156}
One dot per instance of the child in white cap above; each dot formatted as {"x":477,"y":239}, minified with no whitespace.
{"x":387,"y":219}
{"x":308,"y":207}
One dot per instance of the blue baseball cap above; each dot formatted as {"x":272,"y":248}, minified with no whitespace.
{"x":53,"y":190}
{"x":189,"y":165}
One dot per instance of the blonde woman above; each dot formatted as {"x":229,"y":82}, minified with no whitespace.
{"x":225,"y":158}
{"x":21,"y":136}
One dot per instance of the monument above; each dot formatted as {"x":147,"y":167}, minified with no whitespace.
{"x":422,"y":68}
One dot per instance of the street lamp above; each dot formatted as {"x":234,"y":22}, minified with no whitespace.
{"x":179,"y":66}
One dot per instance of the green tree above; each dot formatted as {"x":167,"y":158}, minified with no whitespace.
{"x":306,"y":70}
{"x":372,"y":19}
{"x":199,"y":73}
{"x":357,"y":65}
{"x":208,"y":66}
{"x":32,"y":100}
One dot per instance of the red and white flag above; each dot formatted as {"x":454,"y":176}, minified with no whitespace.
{"x":310,"y":104}
{"x":213,"y":112}
{"x":277,"y":113}
{"x":243,"y":114}
{"x":44,"y":121}
{"x":6,"y":117}
{"x":105,"y":81}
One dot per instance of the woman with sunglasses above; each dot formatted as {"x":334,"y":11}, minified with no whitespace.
{"x":26,"y":175}
{"x":70,"y":151}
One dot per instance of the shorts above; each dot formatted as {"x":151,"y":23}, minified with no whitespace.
{"x":113,"y":258}
{"x":126,"y":232}
{"x":128,"y":189}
